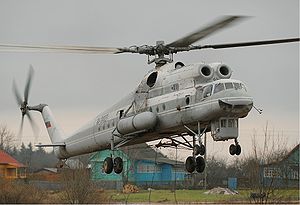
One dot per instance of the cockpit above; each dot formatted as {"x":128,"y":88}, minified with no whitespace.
{"x":220,"y":86}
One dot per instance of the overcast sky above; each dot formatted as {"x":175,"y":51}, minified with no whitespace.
{"x":77,"y":87}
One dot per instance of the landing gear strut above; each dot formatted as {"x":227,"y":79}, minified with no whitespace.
{"x":193,"y":163}
{"x":111,"y":164}
{"x":235,"y":148}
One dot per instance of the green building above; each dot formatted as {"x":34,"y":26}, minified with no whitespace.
{"x":142,"y":165}
{"x":283,"y":173}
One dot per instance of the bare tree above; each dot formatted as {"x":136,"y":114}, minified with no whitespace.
{"x":7,"y":139}
{"x":273,"y":150}
{"x":78,"y":187}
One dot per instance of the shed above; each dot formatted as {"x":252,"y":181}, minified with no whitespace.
{"x":10,"y":168}
{"x":283,"y":173}
{"x":142,"y":165}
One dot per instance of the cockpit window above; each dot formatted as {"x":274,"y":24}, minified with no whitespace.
{"x":237,"y":86}
{"x":207,"y":91}
{"x":244,"y":87}
{"x":219,"y":87}
{"x":228,"y":85}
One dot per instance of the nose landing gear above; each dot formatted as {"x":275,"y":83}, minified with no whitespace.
{"x":235,"y":148}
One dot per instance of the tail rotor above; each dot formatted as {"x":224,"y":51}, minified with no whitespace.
{"x":23,"y":104}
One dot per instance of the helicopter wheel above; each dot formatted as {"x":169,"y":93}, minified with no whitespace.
{"x":200,"y":164}
{"x":235,"y":149}
{"x":232,"y":149}
{"x":190,"y":164}
{"x":238,"y":150}
{"x":108,"y":165}
{"x":118,"y":165}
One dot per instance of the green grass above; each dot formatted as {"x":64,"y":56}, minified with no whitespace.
{"x":195,"y":196}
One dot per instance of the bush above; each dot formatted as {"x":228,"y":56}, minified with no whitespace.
{"x":78,"y":187}
{"x":13,"y":192}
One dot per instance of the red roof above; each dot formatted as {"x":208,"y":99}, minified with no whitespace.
{"x":9,"y":160}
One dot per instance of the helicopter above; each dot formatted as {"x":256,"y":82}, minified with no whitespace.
{"x":172,"y":101}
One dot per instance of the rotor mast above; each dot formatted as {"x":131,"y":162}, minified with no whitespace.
{"x":159,"y":58}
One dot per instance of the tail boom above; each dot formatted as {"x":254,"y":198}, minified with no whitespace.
{"x":56,"y":134}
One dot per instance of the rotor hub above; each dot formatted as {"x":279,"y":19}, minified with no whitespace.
{"x":24,"y":108}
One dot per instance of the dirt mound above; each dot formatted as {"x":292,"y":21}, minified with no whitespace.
{"x":220,"y":190}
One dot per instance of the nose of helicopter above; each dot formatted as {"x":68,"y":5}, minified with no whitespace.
{"x":239,"y":106}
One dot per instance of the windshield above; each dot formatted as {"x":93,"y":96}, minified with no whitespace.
{"x":211,"y":89}
{"x":229,"y":85}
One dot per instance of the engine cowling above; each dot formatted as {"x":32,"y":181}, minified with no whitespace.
{"x":205,"y":71}
{"x":222,"y":71}
{"x":142,"y":121}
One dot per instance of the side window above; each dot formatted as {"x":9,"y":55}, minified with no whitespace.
{"x":121,"y":113}
{"x":152,"y":79}
{"x":207,"y":91}
{"x":223,"y":123}
{"x":199,"y":93}
{"x":219,"y":87}
{"x":175,"y":87}
{"x":236,"y":123}
{"x":231,"y":123}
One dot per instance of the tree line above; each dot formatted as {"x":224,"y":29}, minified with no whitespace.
{"x":32,"y":158}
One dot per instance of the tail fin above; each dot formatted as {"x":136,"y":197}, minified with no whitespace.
{"x":55,"y":132}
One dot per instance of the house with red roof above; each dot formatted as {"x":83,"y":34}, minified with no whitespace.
{"x":10,"y":168}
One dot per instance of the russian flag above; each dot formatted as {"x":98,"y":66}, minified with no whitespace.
{"x":48,"y":124}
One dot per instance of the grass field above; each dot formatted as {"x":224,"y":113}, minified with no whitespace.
{"x":198,"y":196}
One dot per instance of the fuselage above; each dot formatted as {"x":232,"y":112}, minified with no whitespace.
{"x":168,"y":98}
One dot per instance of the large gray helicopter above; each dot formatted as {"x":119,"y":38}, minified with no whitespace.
{"x":172,"y":101}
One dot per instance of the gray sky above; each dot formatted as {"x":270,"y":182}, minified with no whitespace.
{"x":77,"y":87}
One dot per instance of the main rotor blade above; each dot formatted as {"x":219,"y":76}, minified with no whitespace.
{"x":60,"y":49}
{"x":245,"y":44}
{"x":204,"y":32}
{"x":17,"y":94}
{"x":28,"y":84}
